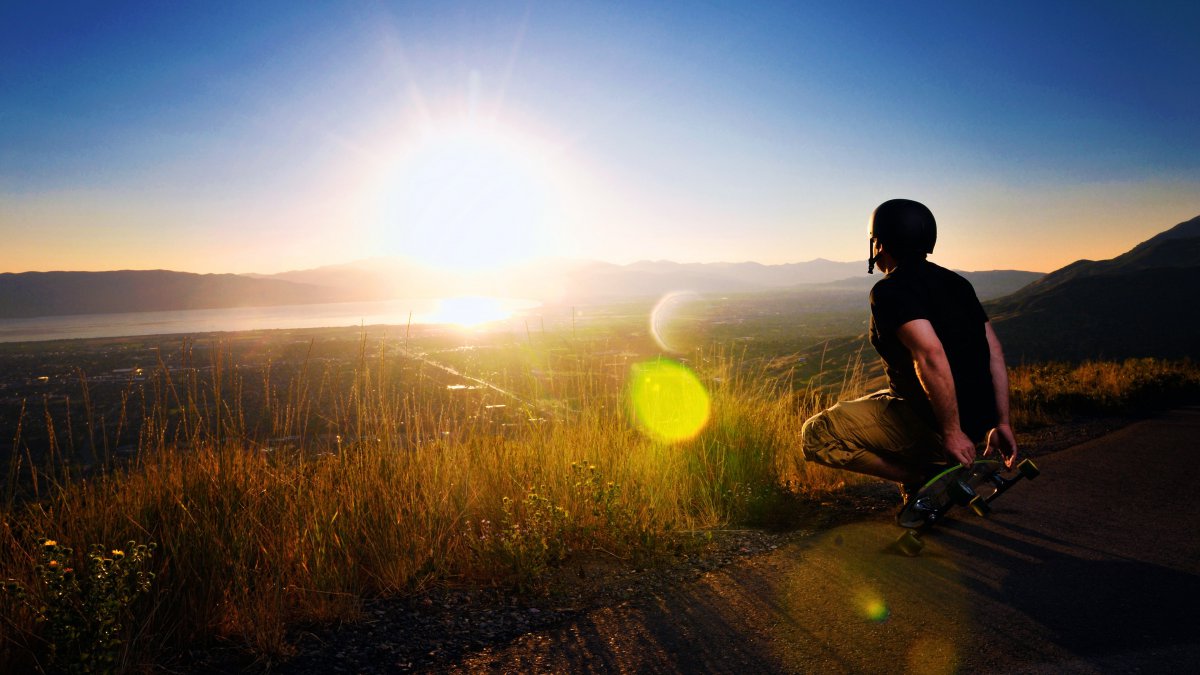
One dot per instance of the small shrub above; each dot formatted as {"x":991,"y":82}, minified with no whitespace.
{"x":609,"y":516}
{"x":83,"y":615}
{"x":532,"y":538}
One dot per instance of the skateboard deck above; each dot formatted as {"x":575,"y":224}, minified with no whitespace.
{"x":976,"y":486}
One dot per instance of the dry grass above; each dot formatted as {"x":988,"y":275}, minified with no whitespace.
{"x":252,"y":540}
{"x":1046,"y":393}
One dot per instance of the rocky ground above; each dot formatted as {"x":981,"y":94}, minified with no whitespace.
{"x":429,"y":632}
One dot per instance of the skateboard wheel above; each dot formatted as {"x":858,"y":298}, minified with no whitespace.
{"x":980,"y":506}
{"x":910,"y":544}
{"x":1028,"y":469}
{"x":960,"y":493}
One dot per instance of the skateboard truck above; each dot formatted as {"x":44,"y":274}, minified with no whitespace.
{"x":982,"y":505}
{"x":957,"y":489}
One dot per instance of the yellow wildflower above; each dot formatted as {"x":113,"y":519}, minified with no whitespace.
{"x":53,"y":563}
{"x":118,"y":553}
{"x":50,"y":542}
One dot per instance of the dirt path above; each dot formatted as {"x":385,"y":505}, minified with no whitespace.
{"x":1094,"y":567}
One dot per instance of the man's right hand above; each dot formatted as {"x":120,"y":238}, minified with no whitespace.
{"x":958,"y":447}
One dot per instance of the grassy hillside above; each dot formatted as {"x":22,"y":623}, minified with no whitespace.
{"x":1178,"y":247}
{"x":263,"y":503}
{"x":1139,"y":314}
{"x":1137,"y":304}
{"x":253,"y":534}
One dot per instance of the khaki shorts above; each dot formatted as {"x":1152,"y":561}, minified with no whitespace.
{"x":879,"y":424}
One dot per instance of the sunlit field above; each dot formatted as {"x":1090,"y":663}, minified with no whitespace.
{"x":277,"y":486}
{"x":276,"y":499}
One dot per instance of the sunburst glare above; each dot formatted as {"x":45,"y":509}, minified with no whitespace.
{"x":472,"y":311}
{"x":469,"y":197}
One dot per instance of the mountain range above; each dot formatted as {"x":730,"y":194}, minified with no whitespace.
{"x":33,"y":294}
{"x":1136,"y":304}
{"x":576,"y":280}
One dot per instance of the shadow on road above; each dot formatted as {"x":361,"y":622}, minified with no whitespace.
{"x":1090,"y":606}
{"x":1063,"y":579}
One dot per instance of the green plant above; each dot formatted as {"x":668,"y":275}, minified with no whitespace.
{"x":83,"y":614}
{"x":532,"y":537}
{"x":608,"y":517}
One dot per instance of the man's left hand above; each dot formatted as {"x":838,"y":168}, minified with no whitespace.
{"x":1001,"y":440}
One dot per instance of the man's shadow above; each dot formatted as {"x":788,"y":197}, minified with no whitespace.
{"x":1089,"y":606}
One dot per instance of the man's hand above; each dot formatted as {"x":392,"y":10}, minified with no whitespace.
{"x":957,"y":446}
{"x":1001,"y":440}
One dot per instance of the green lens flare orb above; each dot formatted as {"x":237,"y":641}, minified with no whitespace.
{"x":668,"y":401}
{"x":877,"y":611}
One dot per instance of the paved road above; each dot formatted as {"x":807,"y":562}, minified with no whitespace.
{"x":1092,"y":568}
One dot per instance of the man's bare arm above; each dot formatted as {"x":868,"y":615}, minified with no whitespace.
{"x":933,"y":369}
{"x":1001,"y":438}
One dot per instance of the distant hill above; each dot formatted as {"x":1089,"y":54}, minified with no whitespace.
{"x":1140,"y":303}
{"x":374,"y":279}
{"x":569,"y":279}
{"x":751,"y":274}
{"x":838,"y":285}
{"x":593,"y":281}
{"x":988,"y":285}
{"x":30,"y":294}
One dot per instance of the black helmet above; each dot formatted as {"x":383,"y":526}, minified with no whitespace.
{"x":905,"y":228}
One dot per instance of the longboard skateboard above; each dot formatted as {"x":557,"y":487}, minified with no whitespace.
{"x":976,"y":487}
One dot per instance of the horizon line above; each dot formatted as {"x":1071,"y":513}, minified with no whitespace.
{"x":531,"y":264}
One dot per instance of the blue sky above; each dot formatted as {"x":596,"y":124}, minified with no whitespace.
{"x":265,"y":136}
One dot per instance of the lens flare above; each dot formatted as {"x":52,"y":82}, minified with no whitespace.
{"x":667,"y":400}
{"x":914,"y":613}
{"x":671,"y":329}
{"x":876,"y":610}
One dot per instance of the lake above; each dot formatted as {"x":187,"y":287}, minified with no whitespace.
{"x":462,"y":311}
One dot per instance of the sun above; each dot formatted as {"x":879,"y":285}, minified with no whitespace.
{"x":472,"y":311}
{"x":470,"y":197}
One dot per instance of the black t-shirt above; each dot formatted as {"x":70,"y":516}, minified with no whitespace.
{"x":923,"y":290}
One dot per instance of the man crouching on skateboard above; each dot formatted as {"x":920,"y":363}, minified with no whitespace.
{"x":948,"y":386}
